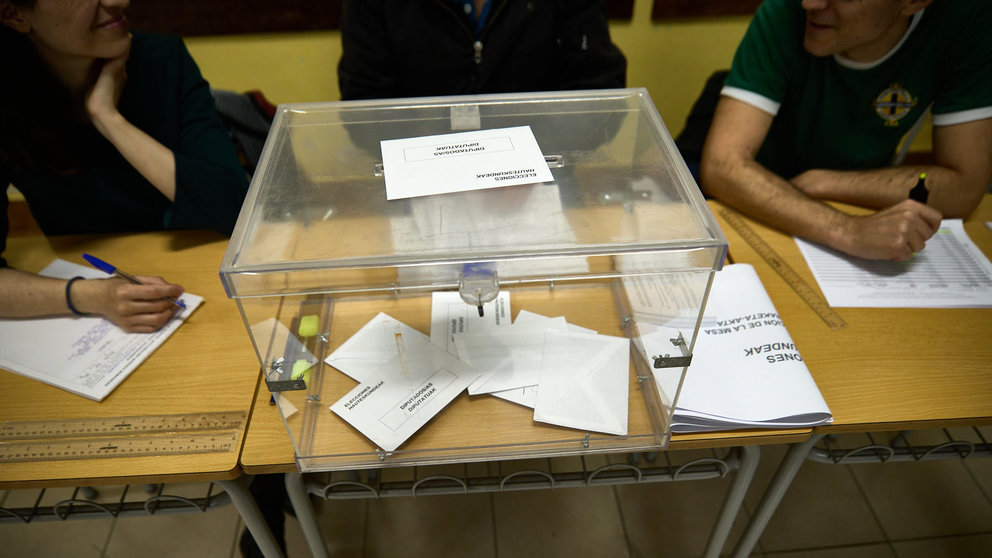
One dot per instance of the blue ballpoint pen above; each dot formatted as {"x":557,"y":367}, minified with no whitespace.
{"x":106,"y":267}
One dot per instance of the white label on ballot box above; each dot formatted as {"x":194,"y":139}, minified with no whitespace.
{"x":462,"y":162}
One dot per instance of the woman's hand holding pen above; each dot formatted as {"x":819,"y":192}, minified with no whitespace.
{"x":136,"y":308}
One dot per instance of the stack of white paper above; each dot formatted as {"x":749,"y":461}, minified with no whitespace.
{"x":950,"y":272}
{"x":746,"y":372}
{"x":569,"y":375}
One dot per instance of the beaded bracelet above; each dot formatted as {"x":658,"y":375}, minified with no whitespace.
{"x":68,"y":298}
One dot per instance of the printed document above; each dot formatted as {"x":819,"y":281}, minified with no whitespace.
{"x":89,"y":356}
{"x":951,"y":272}
{"x":462,"y":162}
{"x":746,"y":372}
{"x":401,"y":388}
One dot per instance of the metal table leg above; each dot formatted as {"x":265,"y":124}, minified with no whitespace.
{"x":237,"y":489}
{"x":734,"y":499}
{"x":304,"y":513}
{"x":787,"y":470}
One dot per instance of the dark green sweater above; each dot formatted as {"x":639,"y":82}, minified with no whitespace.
{"x":167,"y":98}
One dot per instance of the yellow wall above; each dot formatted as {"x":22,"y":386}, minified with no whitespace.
{"x":672,"y":60}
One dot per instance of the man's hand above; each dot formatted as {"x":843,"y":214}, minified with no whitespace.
{"x":894,"y":233}
{"x":135,"y":308}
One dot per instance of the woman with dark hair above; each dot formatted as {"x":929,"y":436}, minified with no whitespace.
{"x":105,"y":131}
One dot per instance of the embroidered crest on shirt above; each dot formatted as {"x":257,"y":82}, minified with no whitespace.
{"x":893,"y":104}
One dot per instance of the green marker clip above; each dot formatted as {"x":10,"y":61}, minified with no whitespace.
{"x":301,"y":369}
{"x":308,"y":326}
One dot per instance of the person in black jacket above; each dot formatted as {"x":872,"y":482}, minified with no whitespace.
{"x":419,"y":48}
{"x":416,"y":48}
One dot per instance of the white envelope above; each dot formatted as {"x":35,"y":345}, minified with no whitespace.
{"x":402,"y":394}
{"x":374,"y":345}
{"x":588,"y":386}
{"x":527,"y":396}
{"x":508,"y":357}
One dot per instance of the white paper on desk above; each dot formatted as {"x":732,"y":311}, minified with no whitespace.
{"x":746,"y":372}
{"x":670,"y":299}
{"x":363,"y":355}
{"x":483,"y":221}
{"x":507,"y":357}
{"x":450,"y":315}
{"x":462,"y":162}
{"x":950,"y":272}
{"x":527,"y":395}
{"x":584,"y":382}
{"x":88,"y":356}
{"x":404,"y":392}
{"x":558,"y":322}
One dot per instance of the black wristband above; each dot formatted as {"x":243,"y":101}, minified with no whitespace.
{"x":68,"y":298}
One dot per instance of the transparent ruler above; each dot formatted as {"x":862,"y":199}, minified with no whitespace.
{"x":147,"y":435}
{"x":808,"y":294}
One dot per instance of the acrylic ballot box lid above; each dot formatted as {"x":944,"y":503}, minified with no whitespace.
{"x":620,"y":241}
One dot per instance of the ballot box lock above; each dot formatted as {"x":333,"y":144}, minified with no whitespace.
{"x":478,"y":283}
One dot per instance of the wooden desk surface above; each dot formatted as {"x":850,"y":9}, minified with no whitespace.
{"x":268,"y":449}
{"x":485,"y":423}
{"x":890,"y":368}
{"x":208,"y":364}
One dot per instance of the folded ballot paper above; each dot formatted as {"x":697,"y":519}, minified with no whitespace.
{"x":746,"y":372}
{"x":404,"y":380}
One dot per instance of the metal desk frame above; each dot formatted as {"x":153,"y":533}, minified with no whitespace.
{"x":741,"y":460}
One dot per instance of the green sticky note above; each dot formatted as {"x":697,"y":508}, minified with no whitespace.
{"x":301,"y":369}
{"x":308,"y":326}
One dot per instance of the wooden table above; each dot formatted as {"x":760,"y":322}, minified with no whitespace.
{"x":207,"y":365}
{"x":888,"y":369}
{"x":268,"y":447}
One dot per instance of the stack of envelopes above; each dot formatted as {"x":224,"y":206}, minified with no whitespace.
{"x":570,"y":376}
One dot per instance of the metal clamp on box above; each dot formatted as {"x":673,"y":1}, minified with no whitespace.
{"x":668,"y":361}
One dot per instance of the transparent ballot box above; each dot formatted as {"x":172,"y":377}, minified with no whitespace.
{"x":365,"y":311}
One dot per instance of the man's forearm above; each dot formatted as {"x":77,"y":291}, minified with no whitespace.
{"x":763,"y":195}
{"x":950,"y":192}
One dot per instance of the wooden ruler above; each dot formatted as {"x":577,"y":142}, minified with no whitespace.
{"x":147,"y":435}
{"x":808,"y":294}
